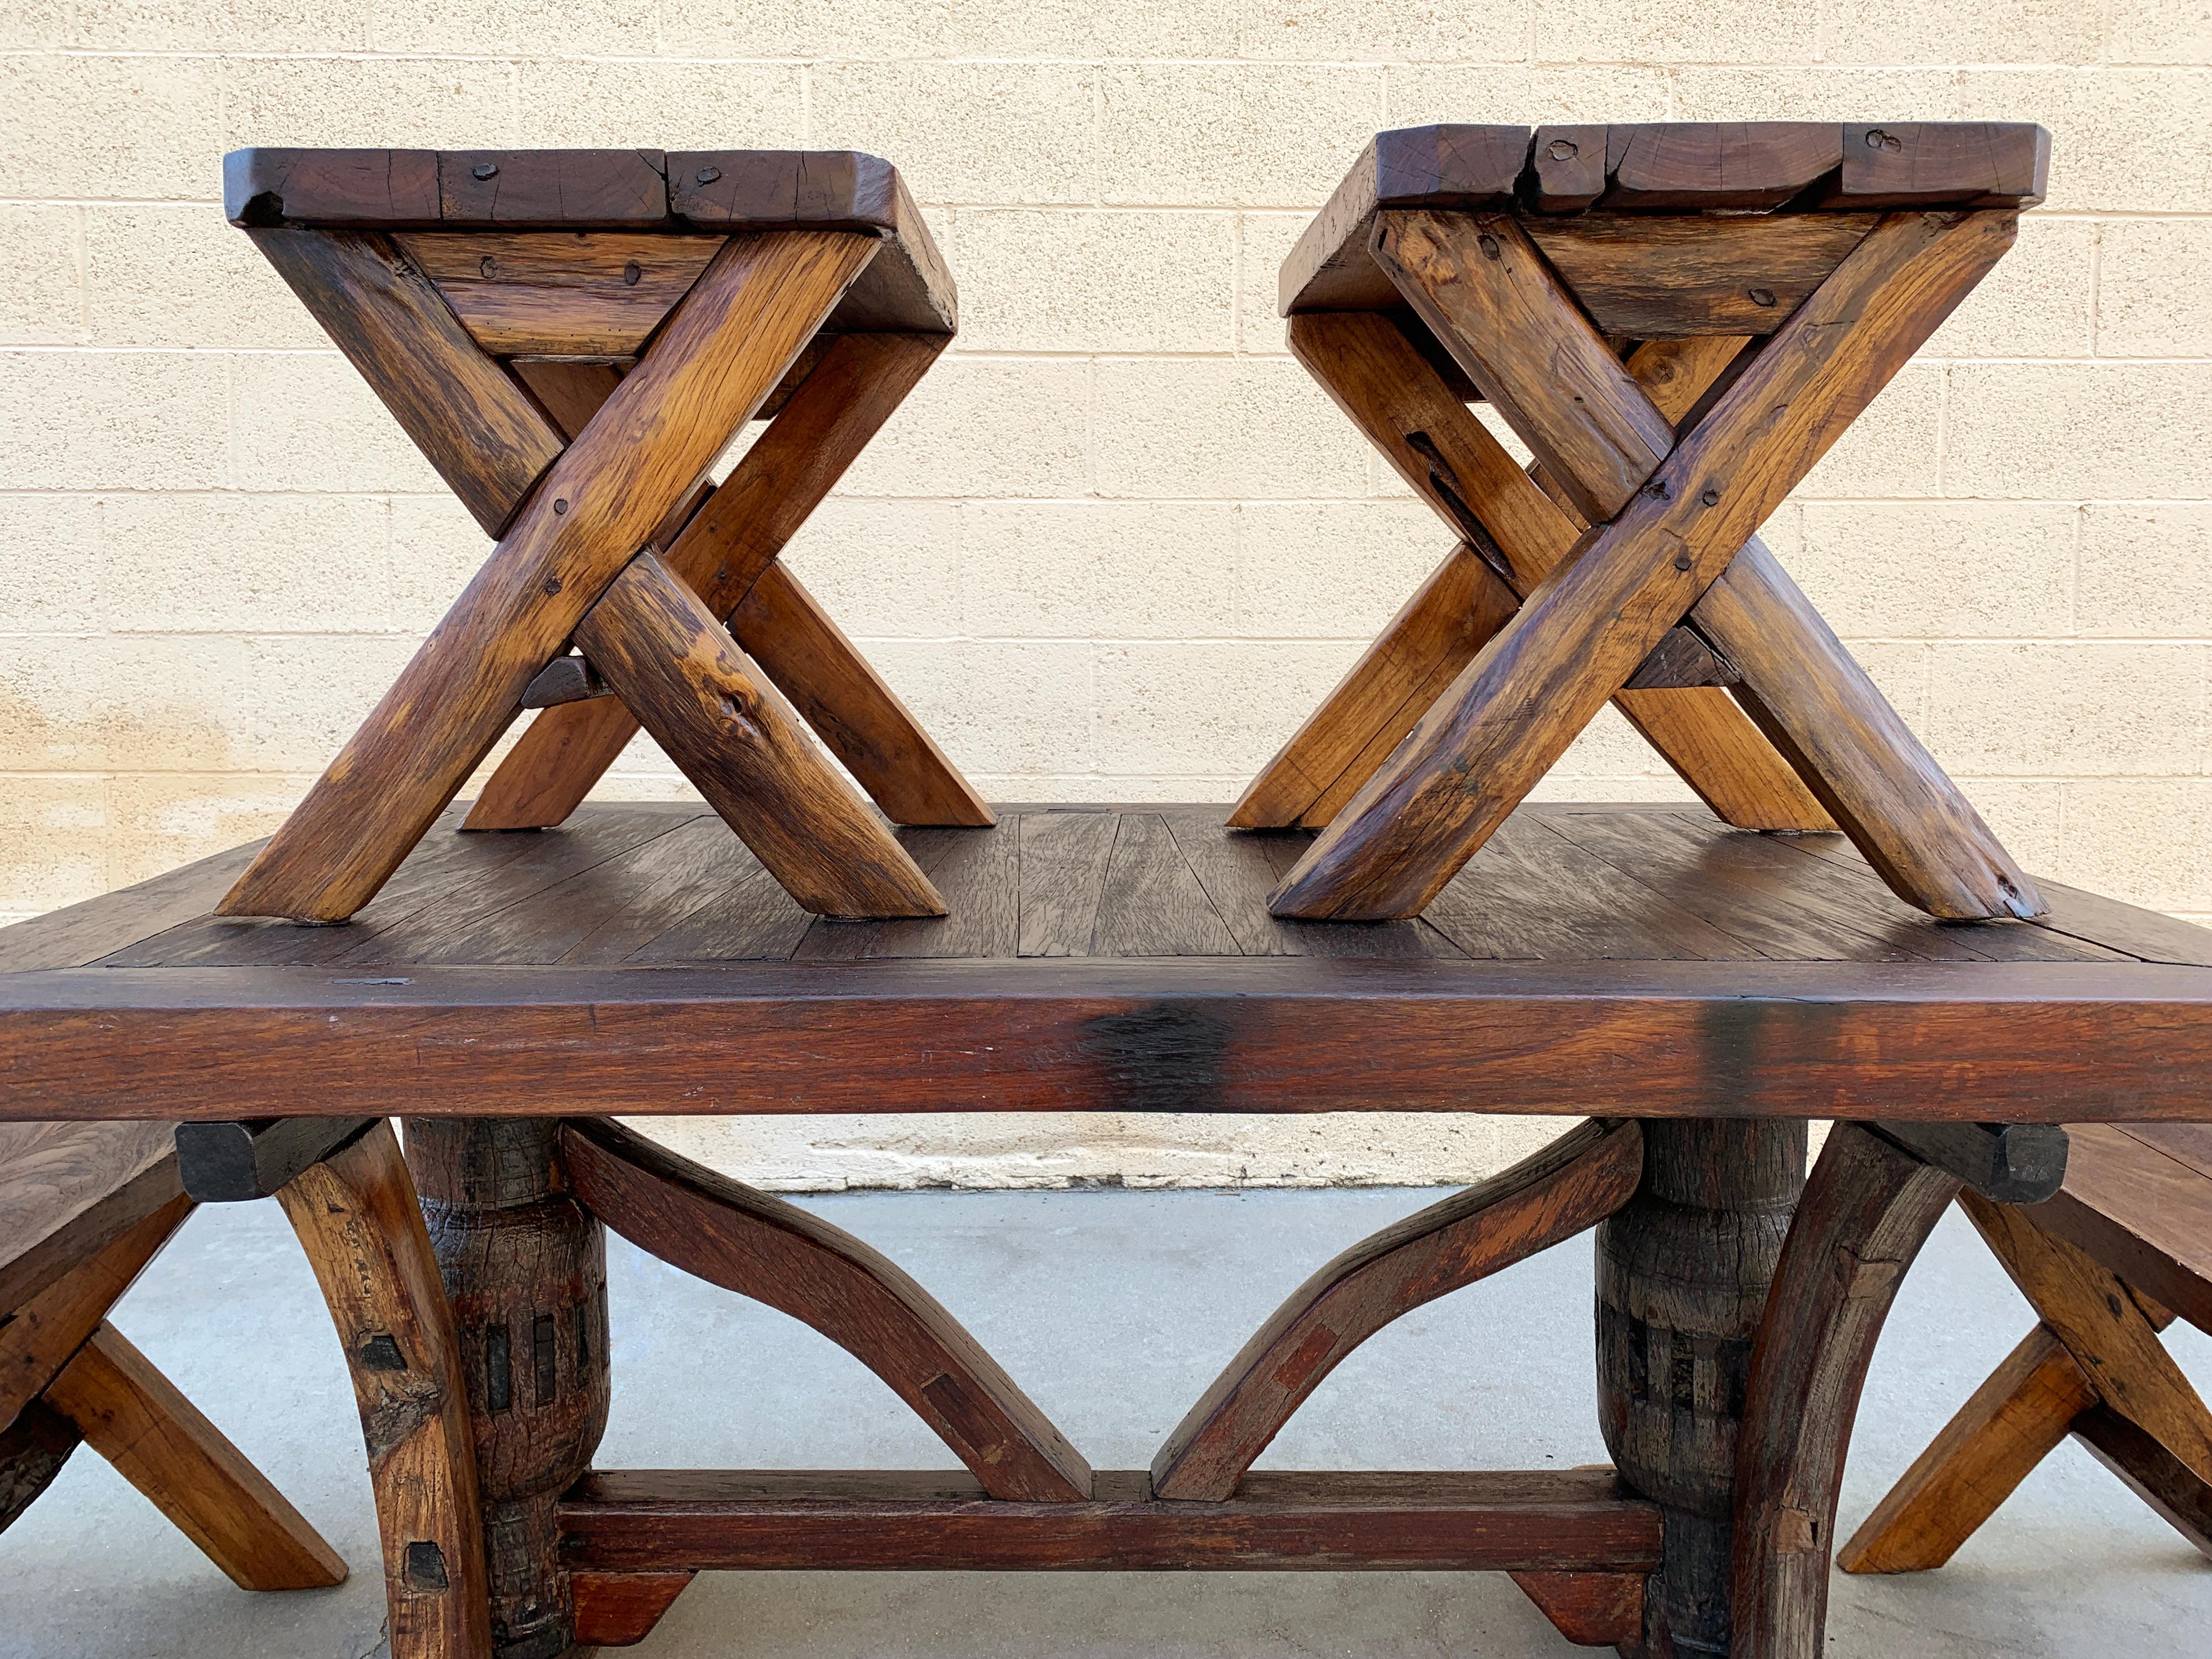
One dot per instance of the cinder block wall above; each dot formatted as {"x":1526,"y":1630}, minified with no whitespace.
{"x":1116,"y":544}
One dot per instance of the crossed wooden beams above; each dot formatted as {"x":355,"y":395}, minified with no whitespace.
{"x":1623,"y":565}
{"x":571,"y":338}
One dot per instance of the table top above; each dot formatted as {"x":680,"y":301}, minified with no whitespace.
{"x":1642,"y":960}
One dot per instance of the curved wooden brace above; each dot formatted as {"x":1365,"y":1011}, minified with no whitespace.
{"x":1868,"y":1207}
{"x":728,"y":1234}
{"x":1572,"y":1184}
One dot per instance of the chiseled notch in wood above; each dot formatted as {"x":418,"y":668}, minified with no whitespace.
{"x":238,"y":1162}
{"x":2005,"y":1163}
{"x":678,"y":669}
{"x":777,"y":1253}
{"x":1571,"y":1185}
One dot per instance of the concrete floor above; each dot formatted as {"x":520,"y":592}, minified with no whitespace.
{"x":1114,"y":1309}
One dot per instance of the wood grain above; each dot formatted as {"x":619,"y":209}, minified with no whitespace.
{"x":164,"y":1445}
{"x":1894,"y":164}
{"x":599,"y":293}
{"x":357,"y":1219}
{"x":1584,"y":630}
{"x":1645,"y":278}
{"x":69,"y":1190}
{"x":779,"y":1255}
{"x":39,"y":1337}
{"x":1545,"y":1521}
{"x":1868,"y":1208}
{"x":1570,"y":1186}
{"x":2140,"y":1212}
{"x":1590,"y":1609}
{"x":1702,"y":166}
{"x":720,"y":354}
{"x":619,"y":1609}
{"x":741,"y":745}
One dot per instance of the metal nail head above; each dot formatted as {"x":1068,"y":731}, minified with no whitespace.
{"x":1710,"y":498}
{"x":631,"y":274}
{"x":1877,"y":139}
{"x":1489,"y":244}
{"x":707,"y":175}
{"x":484,"y":170}
{"x":562,"y":505}
{"x":1562,"y":149}
{"x":1762,"y":296}
{"x":1681,"y":562}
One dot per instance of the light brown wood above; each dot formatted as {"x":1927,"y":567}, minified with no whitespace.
{"x":1647,"y":278}
{"x":1582,"y":632}
{"x":777,"y":1253}
{"x":1486,"y":294}
{"x":467,"y":416}
{"x":717,"y":358}
{"x":1395,"y":395}
{"x":2086,"y":1307}
{"x":1568,"y":1187}
{"x":357,"y":1219}
{"x":843,"y":402}
{"x":741,"y":744}
{"x":559,"y":292}
{"x":38,"y":1339}
{"x":2009,"y":1425}
{"x":162,"y":1444}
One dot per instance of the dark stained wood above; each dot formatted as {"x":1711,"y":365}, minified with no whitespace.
{"x":552,"y":187}
{"x":236,"y":1163}
{"x":2181,"y":1496}
{"x":978,"y":878}
{"x":565,"y":679}
{"x":1566,"y":168}
{"x":32,"y":1449}
{"x":1590,"y":1609}
{"x":717,"y":358}
{"x":2038,"y":1041}
{"x":2011,"y":1423}
{"x":1239,"y":871}
{"x":571,"y":392}
{"x":1898,"y":164}
{"x":1546,"y":1521}
{"x":752,"y":917}
{"x":1701,"y":165}
{"x":357,"y":1219}
{"x":1868,"y":1208}
{"x":1654,"y":278}
{"x":69,"y":1190}
{"x":1150,"y":903}
{"x":1570,"y":1185}
{"x":2005,"y":1163}
{"x":470,"y":421}
{"x":1682,"y":1274}
{"x":1582,"y":632}
{"x":2146,"y":935}
{"x":524,"y":1266}
{"x":39,"y":1337}
{"x":619,"y":1609}
{"x":779,"y":1255}
{"x":162,"y":1444}
{"x":1062,"y":873}
{"x":741,"y":744}
{"x":87,"y":930}
{"x":600,"y":293}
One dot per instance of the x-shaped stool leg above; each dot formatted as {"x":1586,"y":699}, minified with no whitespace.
{"x":583,"y":525}
{"x":1671,"y":544}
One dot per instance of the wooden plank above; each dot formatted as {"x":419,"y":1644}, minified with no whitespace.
{"x":464,"y":413}
{"x":600,"y":293}
{"x":1590,"y":1609}
{"x":2005,"y":1163}
{"x":781,"y":1255}
{"x":1897,"y":164}
{"x":2027,"y":1042}
{"x":2139,"y":1212}
{"x":619,"y":1609}
{"x":1485,"y":291}
{"x":716,"y":359}
{"x":1534,"y":893}
{"x":1702,"y":166}
{"x":164,"y":1445}
{"x":2181,"y":1497}
{"x":1644,"y":278}
{"x":357,"y":1219}
{"x":1150,"y":901}
{"x":1338,"y":1521}
{"x":741,"y":745}
{"x":1868,"y":1208}
{"x":1516,"y":535}
{"x":978,"y":874}
{"x":375,"y":187}
{"x":2187,"y":1144}
{"x":2144,"y":934}
{"x":1239,"y":871}
{"x":752,"y":918}
{"x":1570,"y":1185}
{"x":1582,"y":632}
{"x":517,"y":188}
{"x":86,"y":931}
{"x":721,"y":553}
{"x":2090,"y":1310}
{"x":39,"y":1336}
{"x":2011,"y":1423}
{"x":1566,"y":168}
{"x":69,"y":1190}
{"x":1063,"y":874}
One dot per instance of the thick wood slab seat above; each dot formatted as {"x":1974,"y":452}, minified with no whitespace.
{"x":620,"y":192}
{"x":571,"y":338}
{"x":2124,"y":1247}
{"x":1676,"y":363}
{"x":84,"y":1207}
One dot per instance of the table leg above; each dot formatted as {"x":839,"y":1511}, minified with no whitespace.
{"x":525,"y":1267}
{"x":1682,"y":1274}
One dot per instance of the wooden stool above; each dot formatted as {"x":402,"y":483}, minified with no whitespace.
{"x":571,"y":338}
{"x":83,"y":1208}
{"x":1678,"y":320}
{"x":2124,"y":1247}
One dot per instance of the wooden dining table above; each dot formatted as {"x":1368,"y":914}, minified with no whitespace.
{"x":1682,"y":996}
